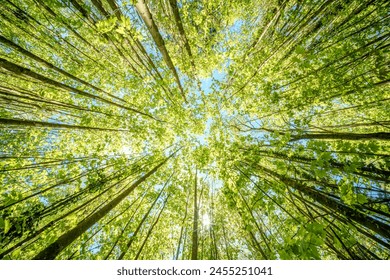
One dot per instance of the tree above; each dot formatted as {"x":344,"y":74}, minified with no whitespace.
{"x":180,"y":130}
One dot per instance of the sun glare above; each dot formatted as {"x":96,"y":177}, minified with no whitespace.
{"x":206,"y":222}
{"x":126,"y":150}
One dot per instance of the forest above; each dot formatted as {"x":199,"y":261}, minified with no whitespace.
{"x":194,"y":129}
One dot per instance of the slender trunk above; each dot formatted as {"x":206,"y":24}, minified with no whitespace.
{"x":179,"y":25}
{"x":82,"y":11}
{"x":344,"y":136}
{"x":67,"y":238}
{"x":26,"y":95}
{"x":370,"y":168}
{"x":146,"y":215}
{"x":182,"y":228}
{"x":19,"y":70}
{"x":28,"y":123}
{"x":105,"y":225}
{"x":257,"y":244}
{"x":267,"y":195}
{"x":226,"y":242}
{"x":184,"y":243}
{"x":98,"y":4}
{"x":214,"y":241}
{"x":262,"y":234}
{"x":265,"y":29}
{"x":151,"y":229}
{"x":51,"y":66}
{"x":114,"y":7}
{"x":126,"y":226}
{"x":53,"y":222}
{"x":194,"y":252}
{"x":62,"y":182}
{"x":145,"y":14}
{"x":363,"y":219}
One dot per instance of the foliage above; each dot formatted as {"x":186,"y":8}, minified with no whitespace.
{"x":178,"y":130}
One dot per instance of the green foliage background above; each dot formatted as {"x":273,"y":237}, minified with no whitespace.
{"x":237,"y":129}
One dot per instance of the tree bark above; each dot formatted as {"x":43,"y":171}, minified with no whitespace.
{"x":20,"y":122}
{"x":182,"y":229}
{"x":151,"y":229}
{"x":369,"y":222}
{"x":51,"y":66}
{"x":146,"y":215}
{"x":125,"y":227}
{"x":344,"y":136}
{"x":179,"y":25}
{"x":145,"y":14}
{"x":19,"y":70}
{"x":194,"y":251}
{"x":67,"y":238}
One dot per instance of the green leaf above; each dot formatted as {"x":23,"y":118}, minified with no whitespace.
{"x":7,"y":226}
{"x":300,"y":50}
{"x":373,"y":146}
{"x":361,"y":199}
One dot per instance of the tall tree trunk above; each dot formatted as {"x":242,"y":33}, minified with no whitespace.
{"x":67,"y":238}
{"x":261,"y":231}
{"x":28,"y":123}
{"x":22,"y":71}
{"x":344,"y":136}
{"x":52,"y":66}
{"x":225,"y":242}
{"x":194,"y":252}
{"x":369,"y":222}
{"x":145,"y":14}
{"x":125,"y":227}
{"x":182,"y":229}
{"x":151,"y":229}
{"x":146,"y":215}
{"x":99,"y":5}
{"x":52,"y":223}
{"x":179,"y":25}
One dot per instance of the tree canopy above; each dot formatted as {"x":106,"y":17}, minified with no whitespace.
{"x":226,"y":129}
